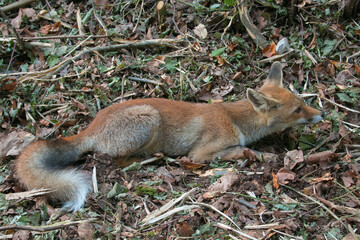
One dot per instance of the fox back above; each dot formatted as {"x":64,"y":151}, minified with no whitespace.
{"x":135,"y":129}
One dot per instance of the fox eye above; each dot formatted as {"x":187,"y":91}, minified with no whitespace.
{"x":298,"y":110}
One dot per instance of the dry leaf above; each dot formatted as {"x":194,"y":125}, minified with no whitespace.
{"x":85,"y":230}
{"x":184,"y":230}
{"x":312,"y":44}
{"x":292,"y":158}
{"x":200,"y":31}
{"x":327,"y":177}
{"x":320,"y":157}
{"x":214,"y":171}
{"x":224,"y":183}
{"x":29,"y":12}
{"x":54,"y":28}
{"x":13,"y":143}
{"x":357,"y":69}
{"x":191,"y":165}
{"x":237,"y":75}
{"x":220,"y":60}
{"x":197,"y":47}
{"x":275,"y":181}
{"x":269,"y":50}
{"x":231,"y":46}
{"x":283,"y":175}
{"x":276,"y":33}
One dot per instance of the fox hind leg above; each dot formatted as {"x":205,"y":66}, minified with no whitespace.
{"x":131,"y":131}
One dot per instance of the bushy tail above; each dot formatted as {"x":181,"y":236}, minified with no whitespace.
{"x":47,"y":164}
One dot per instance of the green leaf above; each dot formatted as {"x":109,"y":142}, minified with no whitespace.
{"x":24,"y":67}
{"x":306,"y":141}
{"x":206,"y":229}
{"x":218,"y":51}
{"x":116,"y":190}
{"x":61,"y":51}
{"x":171,"y":64}
{"x":133,"y":167}
{"x":214,"y":6}
{"x":329,"y":45}
{"x":344,"y":97}
{"x":4,"y":204}
{"x":230,"y":2}
{"x":52,"y":60}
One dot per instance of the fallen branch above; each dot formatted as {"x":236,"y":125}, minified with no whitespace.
{"x":148,"y":219}
{"x":47,"y":228}
{"x":27,"y":194}
{"x":134,"y":44}
{"x":320,"y":204}
{"x":226,"y":227}
{"x":254,"y":33}
{"x":16,"y":5}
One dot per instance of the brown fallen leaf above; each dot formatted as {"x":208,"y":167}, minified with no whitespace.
{"x":283,"y":175}
{"x":321,"y":157}
{"x":28,"y":12}
{"x":224,"y":183}
{"x":275,"y":181}
{"x":13,"y":143}
{"x":184,"y":229}
{"x":200,"y":31}
{"x":85,"y":230}
{"x":292,"y":158}
{"x":188,"y":164}
{"x":53,"y":28}
{"x":348,"y":181}
{"x":357,"y":69}
{"x":269,"y":50}
{"x":325,"y":178}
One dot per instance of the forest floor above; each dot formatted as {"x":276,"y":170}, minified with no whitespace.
{"x":75,"y":58}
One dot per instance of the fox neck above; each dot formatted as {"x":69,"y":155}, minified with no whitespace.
{"x":252,"y":125}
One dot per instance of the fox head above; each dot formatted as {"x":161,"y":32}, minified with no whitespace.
{"x":280,"y":107}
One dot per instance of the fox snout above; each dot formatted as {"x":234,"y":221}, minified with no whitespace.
{"x":312,"y":120}
{"x":317,"y":118}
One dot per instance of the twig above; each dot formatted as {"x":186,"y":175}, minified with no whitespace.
{"x":254,"y":33}
{"x":27,"y":194}
{"x":288,"y":235}
{"x":342,"y":106}
{"x":53,"y":37}
{"x":226,"y":227}
{"x":218,"y":211}
{"x":58,"y":126}
{"x":276,"y":57}
{"x":147,"y":43}
{"x":16,"y":5}
{"x":318,"y":203}
{"x":166,"y":207}
{"x":56,"y":226}
{"x":144,"y":80}
{"x":263,"y":226}
{"x":161,"y":85}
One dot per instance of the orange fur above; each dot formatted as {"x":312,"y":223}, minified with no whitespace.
{"x":142,"y":127}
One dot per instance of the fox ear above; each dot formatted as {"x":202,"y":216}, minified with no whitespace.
{"x":261,"y":102}
{"x":275,"y":77}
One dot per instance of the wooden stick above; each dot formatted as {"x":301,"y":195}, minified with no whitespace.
{"x":16,"y":5}
{"x":45,"y":228}
{"x":254,"y":33}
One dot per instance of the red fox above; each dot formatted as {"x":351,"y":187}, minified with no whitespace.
{"x":142,"y":127}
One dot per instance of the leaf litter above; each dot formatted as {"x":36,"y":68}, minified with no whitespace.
{"x":67,"y":74}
